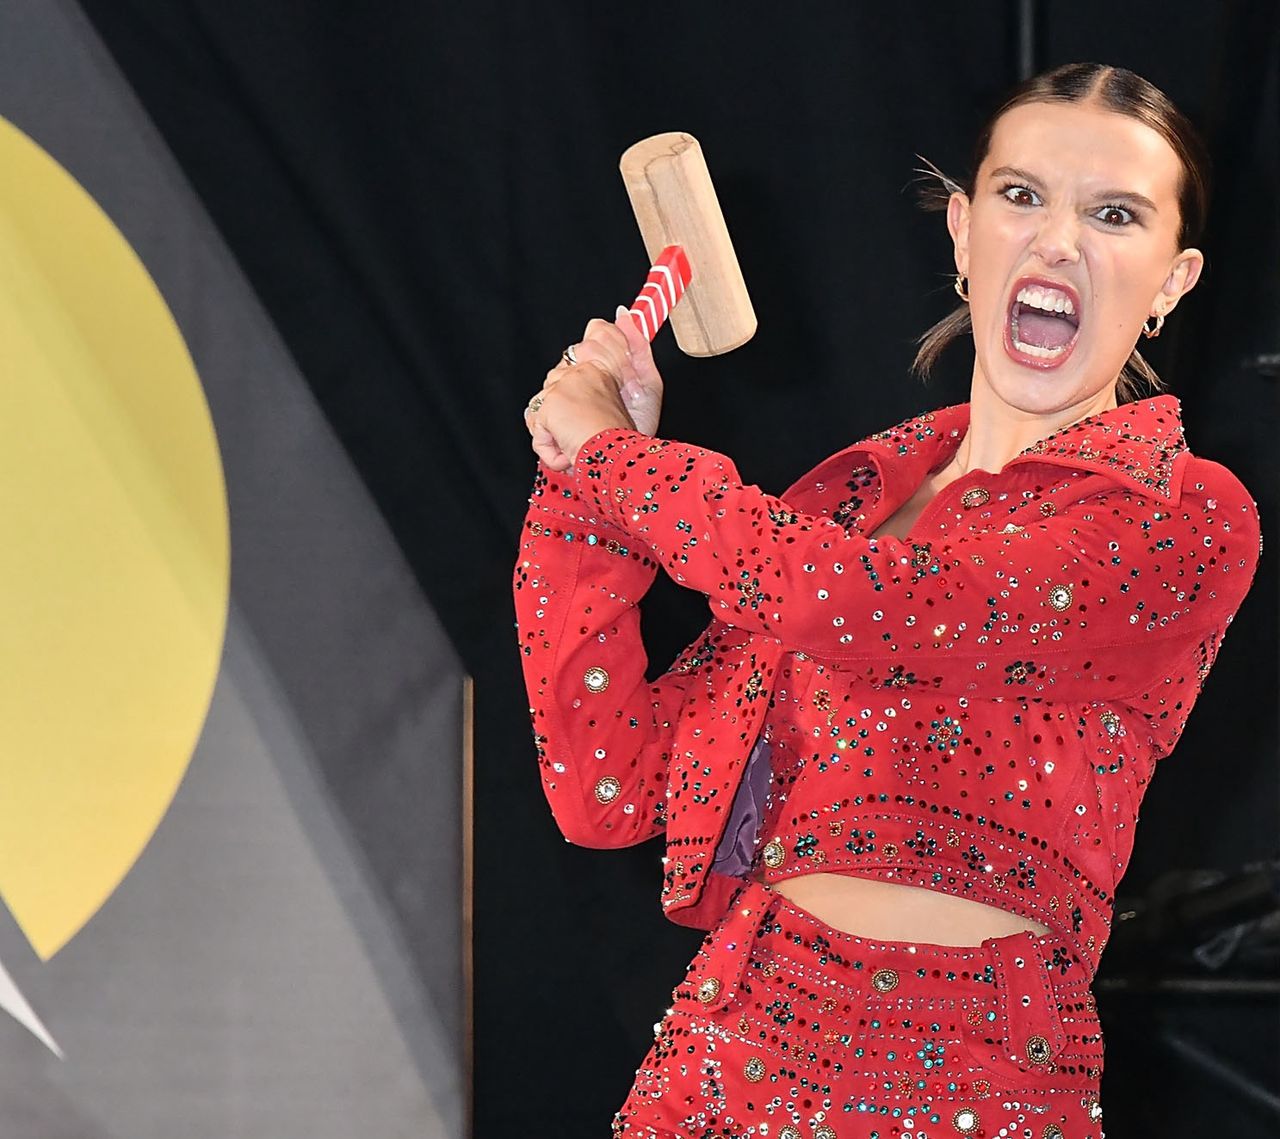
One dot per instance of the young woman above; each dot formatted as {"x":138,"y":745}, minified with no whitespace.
{"x":899,"y":772}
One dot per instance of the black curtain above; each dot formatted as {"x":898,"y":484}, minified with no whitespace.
{"x":426,"y":200}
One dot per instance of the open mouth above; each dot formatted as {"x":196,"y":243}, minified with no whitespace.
{"x":1042,"y":326}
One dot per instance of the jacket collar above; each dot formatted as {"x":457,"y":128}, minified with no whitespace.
{"x":1138,"y":444}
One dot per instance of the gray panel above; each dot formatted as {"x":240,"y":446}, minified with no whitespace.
{"x":284,"y":960}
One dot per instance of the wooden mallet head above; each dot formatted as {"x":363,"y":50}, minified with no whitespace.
{"x":686,"y":238}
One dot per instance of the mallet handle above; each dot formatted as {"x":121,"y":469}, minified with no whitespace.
{"x":665,"y":285}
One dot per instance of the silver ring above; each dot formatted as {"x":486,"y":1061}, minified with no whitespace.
{"x":568,"y":355}
{"x":534,"y":403}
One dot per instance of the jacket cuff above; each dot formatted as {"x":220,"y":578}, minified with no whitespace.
{"x":601,"y":474}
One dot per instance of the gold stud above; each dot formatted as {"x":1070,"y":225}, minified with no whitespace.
{"x":965,"y":1120}
{"x":709,"y":990}
{"x":975,"y":496}
{"x":1060,"y":597}
{"x":775,"y":854}
{"x":1038,"y":1050}
{"x":608,"y":789}
{"x":596,"y":679}
{"x":884,"y":980}
{"x":754,"y":1069}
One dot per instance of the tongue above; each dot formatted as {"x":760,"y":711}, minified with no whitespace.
{"x":1045,"y":330}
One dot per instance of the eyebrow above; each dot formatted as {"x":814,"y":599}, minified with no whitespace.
{"x":1128,"y":195}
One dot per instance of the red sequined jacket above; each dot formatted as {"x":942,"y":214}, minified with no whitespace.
{"x":1063,"y":612}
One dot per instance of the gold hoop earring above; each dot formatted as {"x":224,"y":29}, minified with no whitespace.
{"x":1150,"y":331}
{"x":962,"y":287}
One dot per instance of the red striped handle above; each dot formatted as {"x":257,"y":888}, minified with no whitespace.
{"x":666,"y":283}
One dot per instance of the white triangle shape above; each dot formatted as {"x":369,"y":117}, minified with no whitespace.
{"x":15,"y":1004}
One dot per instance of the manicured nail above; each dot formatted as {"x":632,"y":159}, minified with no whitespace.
{"x":624,"y":313}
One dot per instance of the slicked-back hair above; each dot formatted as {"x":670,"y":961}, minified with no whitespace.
{"x":1112,"y":89}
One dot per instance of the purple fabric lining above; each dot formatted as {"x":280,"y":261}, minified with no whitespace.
{"x":737,"y":846}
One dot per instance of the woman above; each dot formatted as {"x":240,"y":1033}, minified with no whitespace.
{"x":899,"y":772}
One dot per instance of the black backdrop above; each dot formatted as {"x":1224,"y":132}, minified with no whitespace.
{"x":425,"y":198}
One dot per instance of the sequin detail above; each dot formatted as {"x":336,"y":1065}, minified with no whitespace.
{"x":1060,"y":597}
{"x":1038,"y":1050}
{"x":774,"y":855}
{"x":961,"y":702}
{"x":884,"y":980}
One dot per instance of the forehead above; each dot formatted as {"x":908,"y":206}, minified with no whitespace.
{"x":1074,"y":143}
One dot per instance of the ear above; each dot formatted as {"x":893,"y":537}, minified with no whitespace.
{"x":958,"y":227}
{"x":1183,"y":275}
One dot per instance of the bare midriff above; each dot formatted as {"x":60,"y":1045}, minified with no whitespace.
{"x":892,"y":911}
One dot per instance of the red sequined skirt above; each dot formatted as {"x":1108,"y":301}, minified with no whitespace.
{"x":785,"y":1028}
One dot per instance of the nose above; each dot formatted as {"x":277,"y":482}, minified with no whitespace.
{"x":1058,"y":239}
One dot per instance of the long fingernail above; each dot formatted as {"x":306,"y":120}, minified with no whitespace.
{"x":623,"y":313}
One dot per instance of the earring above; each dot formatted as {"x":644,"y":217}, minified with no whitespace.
{"x":1150,"y":331}
{"x":962,"y":287}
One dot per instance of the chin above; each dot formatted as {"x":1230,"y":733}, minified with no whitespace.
{"x":1036,"y":390}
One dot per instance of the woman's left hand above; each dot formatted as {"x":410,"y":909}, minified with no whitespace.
{"x":578,"y":400}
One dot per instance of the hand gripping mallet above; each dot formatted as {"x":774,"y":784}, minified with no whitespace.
{"x":685,"y":236}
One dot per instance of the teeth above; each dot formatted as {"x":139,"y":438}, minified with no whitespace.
{"x":1050,"y":300}
{"x":1036,"y":350}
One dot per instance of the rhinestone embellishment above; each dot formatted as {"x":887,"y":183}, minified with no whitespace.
{"x":789,"y":1132}
{"x":1060,"y":597}
{"x":975,"y":496}
{"x":823,"y":1132}
{"x":596,"y":679}
{"x":1053,"y":1131}
{"x":1111,"y":722}
{"x":754,"y":1069}
{"x":1038,"y":1051}
{"x":884,"y":980}
{"x":608,"y":789}
{"x":774,"y":854}
{"x":965,"y":1120}
{"x":709,"y":990}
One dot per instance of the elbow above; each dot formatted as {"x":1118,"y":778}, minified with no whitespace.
{"x":595,"y":832}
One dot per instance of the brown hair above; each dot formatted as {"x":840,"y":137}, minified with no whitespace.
{"x":1115,"y":89}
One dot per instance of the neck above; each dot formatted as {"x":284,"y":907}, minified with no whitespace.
{"x":997,"y":432}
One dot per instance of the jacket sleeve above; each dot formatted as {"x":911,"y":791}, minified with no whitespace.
{"x":603,"y":733}
{"x":1087,"y":603}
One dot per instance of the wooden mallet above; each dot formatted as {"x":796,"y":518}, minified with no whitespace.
{"x":695,"y":279}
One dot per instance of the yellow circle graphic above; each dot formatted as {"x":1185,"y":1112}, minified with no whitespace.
{"x":114,"y":551}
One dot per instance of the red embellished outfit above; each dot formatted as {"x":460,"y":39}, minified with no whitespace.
{"x":975,"y":709}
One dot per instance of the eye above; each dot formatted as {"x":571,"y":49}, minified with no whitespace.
{"x":1012,"y":192}
{"x":1107,"y":212}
